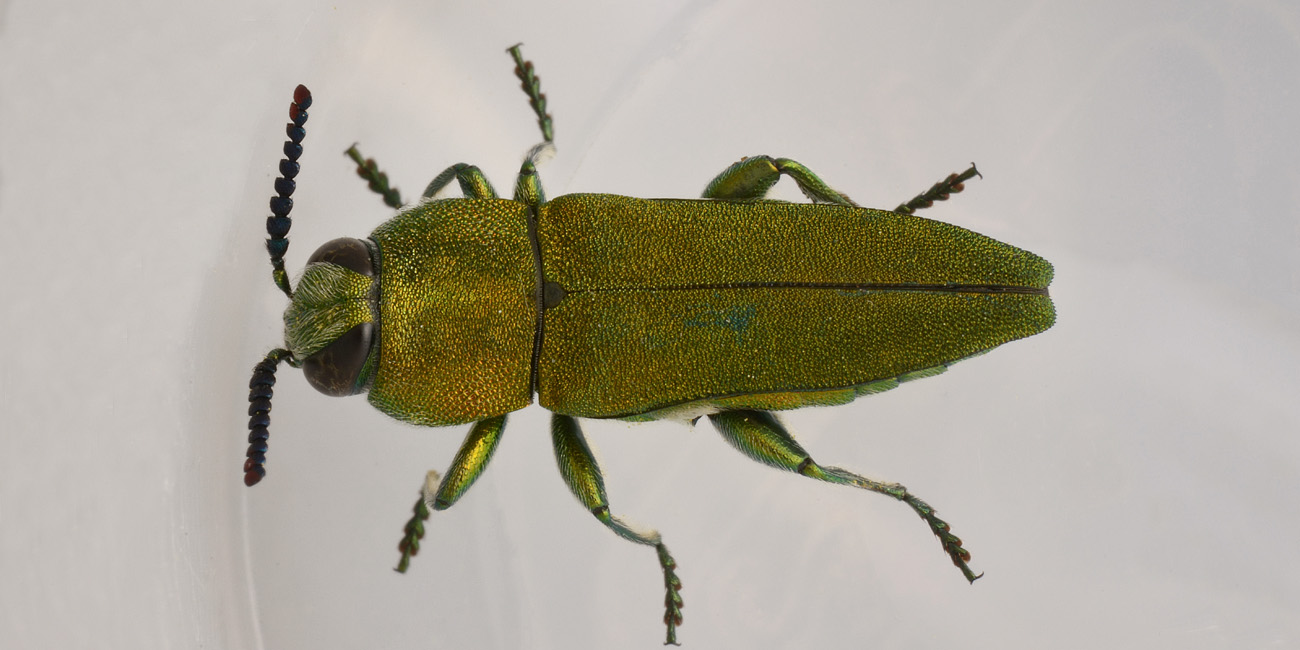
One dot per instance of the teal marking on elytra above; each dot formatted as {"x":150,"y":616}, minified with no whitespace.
{"x":737,"y":319}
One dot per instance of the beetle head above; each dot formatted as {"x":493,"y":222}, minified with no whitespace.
{"x":331,"y":321}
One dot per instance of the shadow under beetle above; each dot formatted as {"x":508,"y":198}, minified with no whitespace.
{"x":600,"y":306}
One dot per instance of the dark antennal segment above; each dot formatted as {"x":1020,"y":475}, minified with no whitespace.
{"x":277,"y":225}
{"x":939,"y":191}
{"x":260,"y":389}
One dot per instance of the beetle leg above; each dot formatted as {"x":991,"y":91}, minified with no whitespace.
{"x":760,"y":436}
{"x":470,"y":462}
{"x":939,"y":191}
{"x":473,"y":184}
{"x":582,"y":475}
{"x":378,"y":181}
{"x":532,"y":85}
{"x":528,"y":187}
{"x":751,"y":178}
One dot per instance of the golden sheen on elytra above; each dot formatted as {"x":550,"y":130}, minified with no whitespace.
{"x":601,"y":306}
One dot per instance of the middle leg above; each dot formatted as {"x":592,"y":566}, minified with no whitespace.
{"x":582,"y":475}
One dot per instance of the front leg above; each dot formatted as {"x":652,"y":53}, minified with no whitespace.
{"x":471,"y":460}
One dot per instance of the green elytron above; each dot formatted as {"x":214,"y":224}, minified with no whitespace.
{"x":599,"y":306}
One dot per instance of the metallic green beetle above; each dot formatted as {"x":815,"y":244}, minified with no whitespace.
{"x":599,"y":306}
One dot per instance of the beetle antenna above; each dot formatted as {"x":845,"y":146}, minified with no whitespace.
{"x":277,"y":225}
{"x":939,"y":191}
{"x":259,"y":414}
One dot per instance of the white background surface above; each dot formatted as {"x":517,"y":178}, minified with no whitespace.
{"x":1126,"y":480}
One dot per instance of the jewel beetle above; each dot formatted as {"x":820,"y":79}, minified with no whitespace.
{"x":731,"y":306}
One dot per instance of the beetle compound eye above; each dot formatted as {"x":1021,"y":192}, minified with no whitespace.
{"x":336,"y":369}
{"x":346,"y":252}
{"x":329,"y":322}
